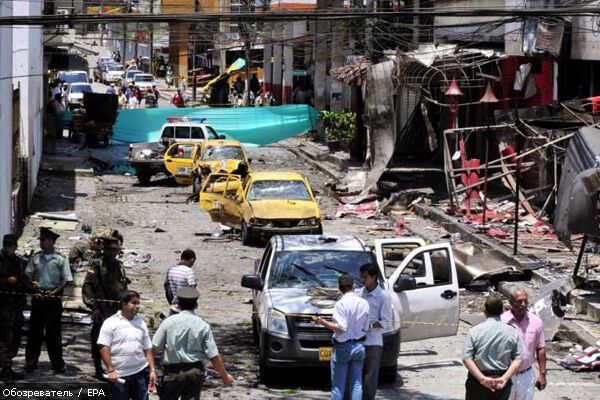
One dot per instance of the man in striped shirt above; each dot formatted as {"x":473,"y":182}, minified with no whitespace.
{"x":178,"y":276}
{"x":126,"y":350}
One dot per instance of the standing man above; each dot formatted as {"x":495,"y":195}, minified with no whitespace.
{"x":492,"y":354}
{"x":50,"y":275}
{"x":179,"y":276}
{"x":103,"y":287}
{"x":126,"y":350}
{"x":380,"y":317}
{"x":531,"y":331}
{"x":187,"y":340}
{"x":13,"y":286}
{"x":350,"y":325}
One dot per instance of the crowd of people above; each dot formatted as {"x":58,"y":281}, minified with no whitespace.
{"x":499,"y":353}
{"x":132,"y":97}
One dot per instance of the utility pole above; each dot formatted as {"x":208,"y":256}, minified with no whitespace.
{"x":151,"y":44}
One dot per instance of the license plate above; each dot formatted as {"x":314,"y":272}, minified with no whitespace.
{"x":325,"y":353}
{"x":184,"y":171}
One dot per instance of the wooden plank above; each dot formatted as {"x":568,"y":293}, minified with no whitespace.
{"x":509,"y":181}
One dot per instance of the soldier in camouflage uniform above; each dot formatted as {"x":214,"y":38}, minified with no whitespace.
{"x":13,"y":286}
{"x":105,"y":280}
{"x":85,"y":250}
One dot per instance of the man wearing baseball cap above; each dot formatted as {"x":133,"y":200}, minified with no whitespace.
{"x":50,"y":274}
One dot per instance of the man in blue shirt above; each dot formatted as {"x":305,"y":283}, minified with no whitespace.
{"x":380,"y":318}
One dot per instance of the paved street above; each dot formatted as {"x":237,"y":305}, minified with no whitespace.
{"x":431,"y":369}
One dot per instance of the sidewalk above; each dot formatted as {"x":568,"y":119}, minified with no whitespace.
{"x":582,"y":321}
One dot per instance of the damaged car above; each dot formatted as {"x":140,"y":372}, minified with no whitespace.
{"x":262,"y":204}
{"x":297,"y":278}
{"x":219,"y":156}
{"x":178,"y":161}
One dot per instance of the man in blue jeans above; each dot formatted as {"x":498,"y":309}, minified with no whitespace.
{"x":126,"y":350}
{"x":349,"y":326}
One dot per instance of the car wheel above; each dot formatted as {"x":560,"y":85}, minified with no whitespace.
{"x":265,"y":372}
{"x":388,"y":374}
{"x":319,"y":230}
{"x":196,"y":185}
{"x":144,"y":177}
{"x":247,"y":239}
{"x":255,"y":338}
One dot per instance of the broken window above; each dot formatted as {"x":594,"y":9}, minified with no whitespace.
{"x":278,"y":190}
{"x":215,"y":153}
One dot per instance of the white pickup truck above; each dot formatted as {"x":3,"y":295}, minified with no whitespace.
{"x":147,"y":158}
{"x":421,"y":280}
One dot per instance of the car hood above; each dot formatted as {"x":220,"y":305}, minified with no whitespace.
{"x":76,"y":95}
{"x":296,"y":301}
{"x":117,"y":73}
{"x":144,"y":84}
{"x":284,"y":209}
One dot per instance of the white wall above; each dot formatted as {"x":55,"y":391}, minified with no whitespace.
{"x":6,"y":130}
{"x":27,"y":71}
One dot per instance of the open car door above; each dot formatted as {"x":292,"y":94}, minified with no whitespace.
{"x":232,"y":200}
{"x":179,"y":158}
{"x":426,"y":306}
{"x":211,"y":195}
{"x":390,"y":253}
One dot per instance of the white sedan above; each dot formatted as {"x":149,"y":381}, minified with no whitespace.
{"x":75,"y":94}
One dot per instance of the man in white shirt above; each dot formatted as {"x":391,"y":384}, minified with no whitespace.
{"x":126,"y":350}
{"x":179,"y":276}
{"x":380,"y":317}
{"x":350,"y":325}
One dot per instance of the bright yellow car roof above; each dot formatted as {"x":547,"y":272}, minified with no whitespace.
{"x":222,"y":142}
{"x":276,"y":176}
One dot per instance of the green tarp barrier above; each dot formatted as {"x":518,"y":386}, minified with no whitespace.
{"x":252,"y":125}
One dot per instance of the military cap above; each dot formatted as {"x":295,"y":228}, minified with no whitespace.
{"x":112,"y":243}
{"x":187,"y":293}
{"x":10,"y":238}
{"x":47,"y":233}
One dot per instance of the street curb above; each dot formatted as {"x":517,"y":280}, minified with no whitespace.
{"x":82,"y":172}
{"x":321,"y":165}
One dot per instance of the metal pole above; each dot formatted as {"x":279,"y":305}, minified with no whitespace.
{"x":580,"y":256}
{"x":485,"y":178}
{"x":151,"y":44}
{"x":517,"y":199}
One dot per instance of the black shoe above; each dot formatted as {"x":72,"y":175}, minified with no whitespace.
{"x":29,"y":368}
{"x":60,"y":370}
{"x":14,"y":375}
{"x":100,"y":375}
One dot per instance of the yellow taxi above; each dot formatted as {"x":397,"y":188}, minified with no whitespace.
{"x":262,"y":204}
{"x":219,"y":156}
{"x":178,"y":160}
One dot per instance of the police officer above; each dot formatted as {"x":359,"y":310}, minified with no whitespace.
{"x":104,"y":284}
{"x":50,"y":274}
{"x":187,"y":341}
{"x":13,"y":286}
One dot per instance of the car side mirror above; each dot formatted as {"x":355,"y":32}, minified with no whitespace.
{"x":405,"y":283}
{"x":252,"y":281}
{"x":221,"y":136}
{"x":249,"y":161}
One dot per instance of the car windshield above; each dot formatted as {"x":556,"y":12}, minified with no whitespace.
{"x":316,"y":268}
{"x":72,"y":77}
{"x":275,"y":190}
{"x":143,"y":78}
{"x":214,"y":153}
{"x":81,"y":89}
{"x":130,"y":74}
{"x":114,"y":68}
